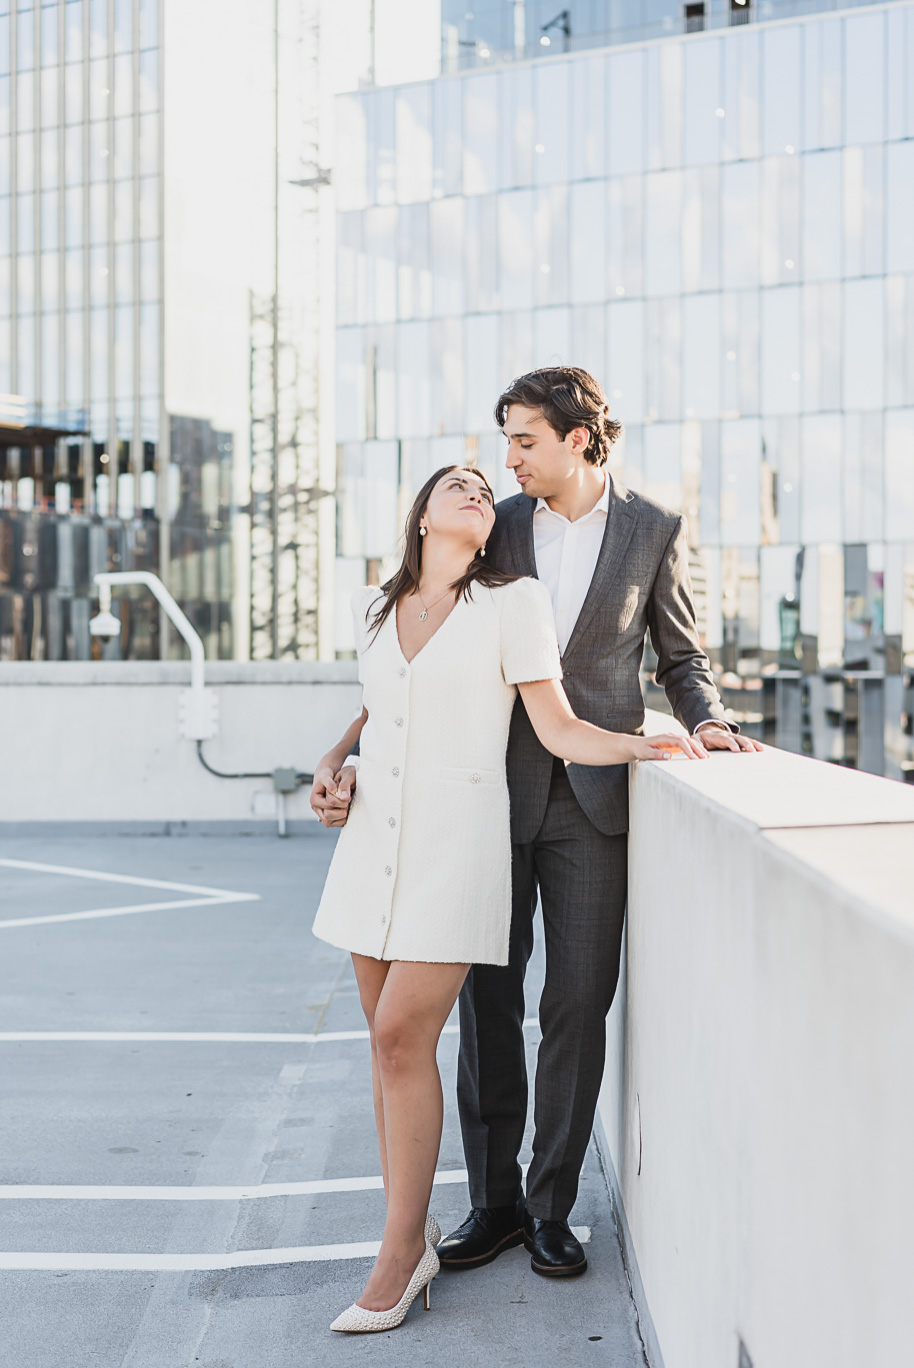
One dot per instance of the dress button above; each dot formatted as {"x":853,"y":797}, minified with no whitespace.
{"x":395,"y":772}
{"x":384,"y":920}
{"x":388,"y":870}
{"x":398,"y":721}
{"x":474,"y":778}
{"x":402,"y":673}
{"x":391,"y":821}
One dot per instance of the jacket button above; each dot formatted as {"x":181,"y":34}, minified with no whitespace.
{"x":395,"y":772}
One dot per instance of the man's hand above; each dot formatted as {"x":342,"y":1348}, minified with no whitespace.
{"x":716,"y":736}
{"x":331,"y":795}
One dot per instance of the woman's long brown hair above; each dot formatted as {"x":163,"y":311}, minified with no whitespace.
{"x":406,"y":579}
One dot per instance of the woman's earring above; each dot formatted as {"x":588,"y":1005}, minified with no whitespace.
{"x":482,"y":550}
{"x":422,"y":531}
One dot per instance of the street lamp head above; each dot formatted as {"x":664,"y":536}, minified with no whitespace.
{"x":105,"y":625}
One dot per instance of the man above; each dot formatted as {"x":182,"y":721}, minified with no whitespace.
{"x":616,"y":565}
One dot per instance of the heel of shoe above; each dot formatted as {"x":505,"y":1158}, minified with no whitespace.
{"x":425,"y":1291}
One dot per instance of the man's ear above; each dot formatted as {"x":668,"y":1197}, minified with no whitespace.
{"x":580,"y":439}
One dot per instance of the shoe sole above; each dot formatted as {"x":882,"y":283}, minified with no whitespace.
{"x":553,"y":1271}
{"x":458,"y":1265}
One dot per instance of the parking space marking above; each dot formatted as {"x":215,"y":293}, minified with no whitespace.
{"x":218,"y":1037}
{"x":223,"y":1193}
{"x":205,"y":896}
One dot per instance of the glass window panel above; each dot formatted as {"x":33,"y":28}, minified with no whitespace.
{"x":4,"y":47}
{"x":481,"y":341}
{"x":50,"y":208}
{"x":588,"y":239}
{"x":447,"y":375}
{"x":123,"y":273}
{"x":74,"y":278}
{"x":5,"y":217}
{"x":5,"y":185}
{"x":148,"y":91}
{"x":49,"y":91}
{"x":446,"y":235}
{"x":350,"y":170}
{"x":380,"y":527}
{"x":588,"y":342}
{"x":820,"y":463}
{"x":98,"y":213}
{"x":75,"y":358}
{"x":777,"y":580}
{"x":49,"y":50}
{"x":73,"y":217}
{"x":780,"y":220}
{"x":25,"y":40}
{"x":481,"y":253}
{"x":98,"y":27}
{"x":899,"y":304}
{"x":350,"y":385}
{"x":823,"y":84}
{"x":49,"y":159}
{"x":821,"y":370}
{"x":25,"y":226}
{"x":781,"y":90}
{"x":515,"y":248}
{"x":98,"y":277}
{"x":864,"y":73}
{"x":740,"y":224}
{"x":149,"y":271}
{"x":900,"y":55}
{"x":899,"y":485}
{"x":381,"y":147}
{"x":350,"y":269}
{"x":740,"y":482}
{"x":663,"y":233}
{"x":413,"y":390}
{"x":149,"y":207}
{"x":702,"y":122}
{"x":25,"y":356}
{"x":516,"y":354}
{"x":25,"y":162}
{"x":863,"y":477}
{"x":552,"y":337}
{"x":701,"y":356}
{"x":873,"y":210}
{"x":4,"y":105}
{"x":99,"y":90}
{"x":709,"y":484}
{"x":123,"y":351}
{"x":149,"y":23}
{"x":447,"y":97}
{"x":123,"y":211}
{"x":73,"y":24}
{"x":899,"y":206}
{"x":380,"y":373}
{"x":414,"y":143}
{"x":822,"y":216}
{"x":625,"y":358}
{"x":552,"y":94}
{"x":516,"y":131}
{"x":624,"y":242}
{"x":123,"y":148}
{"x":150,"y":328}
{"x":99,"y":151}
{"x":6,"y":377}
{"x":25,"y":101}
{"x":415,"y":272}
{"x":662,"y":455}
{"x":780,"y":350}
{"x":73,"y":155}
{"x":663,"y":354}
{"x":73,"y":94}
{"x":550,"y":239}
{"x":380,"y":227}
{"x":781,"y":454}
{"x":740,"y":132}
{"x":864,"y":331}
{"x":25,"y":278}
{"x":624,"y":96}
{"x":50,"y":281}
{"x":588,"y":119}
{"x":123,"y":25}
{"x":123,"y":85}
{"x":479,"y":145}
{"x":98,"y":353}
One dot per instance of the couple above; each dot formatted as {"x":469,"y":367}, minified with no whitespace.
{"x":433,"y":884}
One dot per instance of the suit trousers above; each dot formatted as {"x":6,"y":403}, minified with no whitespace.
{"x":581,"y":876}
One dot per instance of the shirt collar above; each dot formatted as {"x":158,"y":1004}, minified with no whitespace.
{"x":601,"y":506}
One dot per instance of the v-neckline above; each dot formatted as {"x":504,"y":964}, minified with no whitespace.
{"x":410,"y":659}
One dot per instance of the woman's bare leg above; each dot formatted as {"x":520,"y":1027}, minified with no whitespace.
{"x":411,"y":1010}
{"x":370,"y":975}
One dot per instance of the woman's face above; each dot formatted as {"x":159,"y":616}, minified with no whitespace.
{"x":460,"y":506}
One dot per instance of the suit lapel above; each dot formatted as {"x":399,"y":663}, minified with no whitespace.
{"x":621,"y":521}
{"x":520,"y":536}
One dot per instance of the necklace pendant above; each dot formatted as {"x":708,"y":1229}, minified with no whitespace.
{"x":423,"y":615}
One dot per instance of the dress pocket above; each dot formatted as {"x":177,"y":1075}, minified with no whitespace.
{"x":473,"y":776}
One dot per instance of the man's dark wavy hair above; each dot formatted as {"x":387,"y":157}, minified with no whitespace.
{"x":568,"y":398}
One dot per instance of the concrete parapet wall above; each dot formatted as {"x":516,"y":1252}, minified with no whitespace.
{"x":99,"y":742}
{"x":759,"y":1094}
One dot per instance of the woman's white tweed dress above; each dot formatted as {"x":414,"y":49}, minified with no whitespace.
{"x":422,"y":869}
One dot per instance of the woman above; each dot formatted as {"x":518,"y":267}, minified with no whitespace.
{"x":419,"y":887}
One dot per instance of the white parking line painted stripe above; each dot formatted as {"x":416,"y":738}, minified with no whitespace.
{"x":189,"y":1263}
{"x":218,"y":1037}
{"x":105,"y":877}
{"x":121,"y":911}
{"x":26,"y":1192}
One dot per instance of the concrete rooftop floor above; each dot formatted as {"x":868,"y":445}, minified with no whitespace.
{"x":163,"y":1115}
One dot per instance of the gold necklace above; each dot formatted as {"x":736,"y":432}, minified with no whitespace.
{"x":424,"y":614}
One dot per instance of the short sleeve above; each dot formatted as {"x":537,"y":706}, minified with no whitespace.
{"x":529,"y":642}
{"x":361,"y":603}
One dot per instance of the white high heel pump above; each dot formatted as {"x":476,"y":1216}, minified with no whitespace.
{"x":432,"y":1230}
{"x":357,"y":1320}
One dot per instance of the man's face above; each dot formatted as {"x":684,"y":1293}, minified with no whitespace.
{"x":541,"y":460}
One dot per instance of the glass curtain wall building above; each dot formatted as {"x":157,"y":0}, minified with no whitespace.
{"x":156,"y":264}
{"x":719,"y":226}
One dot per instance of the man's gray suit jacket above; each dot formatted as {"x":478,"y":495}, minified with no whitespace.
{"x":641,"y":582}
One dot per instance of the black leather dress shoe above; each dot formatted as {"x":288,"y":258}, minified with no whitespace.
{"x":554,"y":1251}
{"x":486,"y":1233}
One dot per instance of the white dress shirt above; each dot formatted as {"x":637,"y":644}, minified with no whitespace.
{"x":566,"y":557}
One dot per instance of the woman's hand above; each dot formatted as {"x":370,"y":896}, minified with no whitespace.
{"x":667,"y":744}
{"x":331,"y":794}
